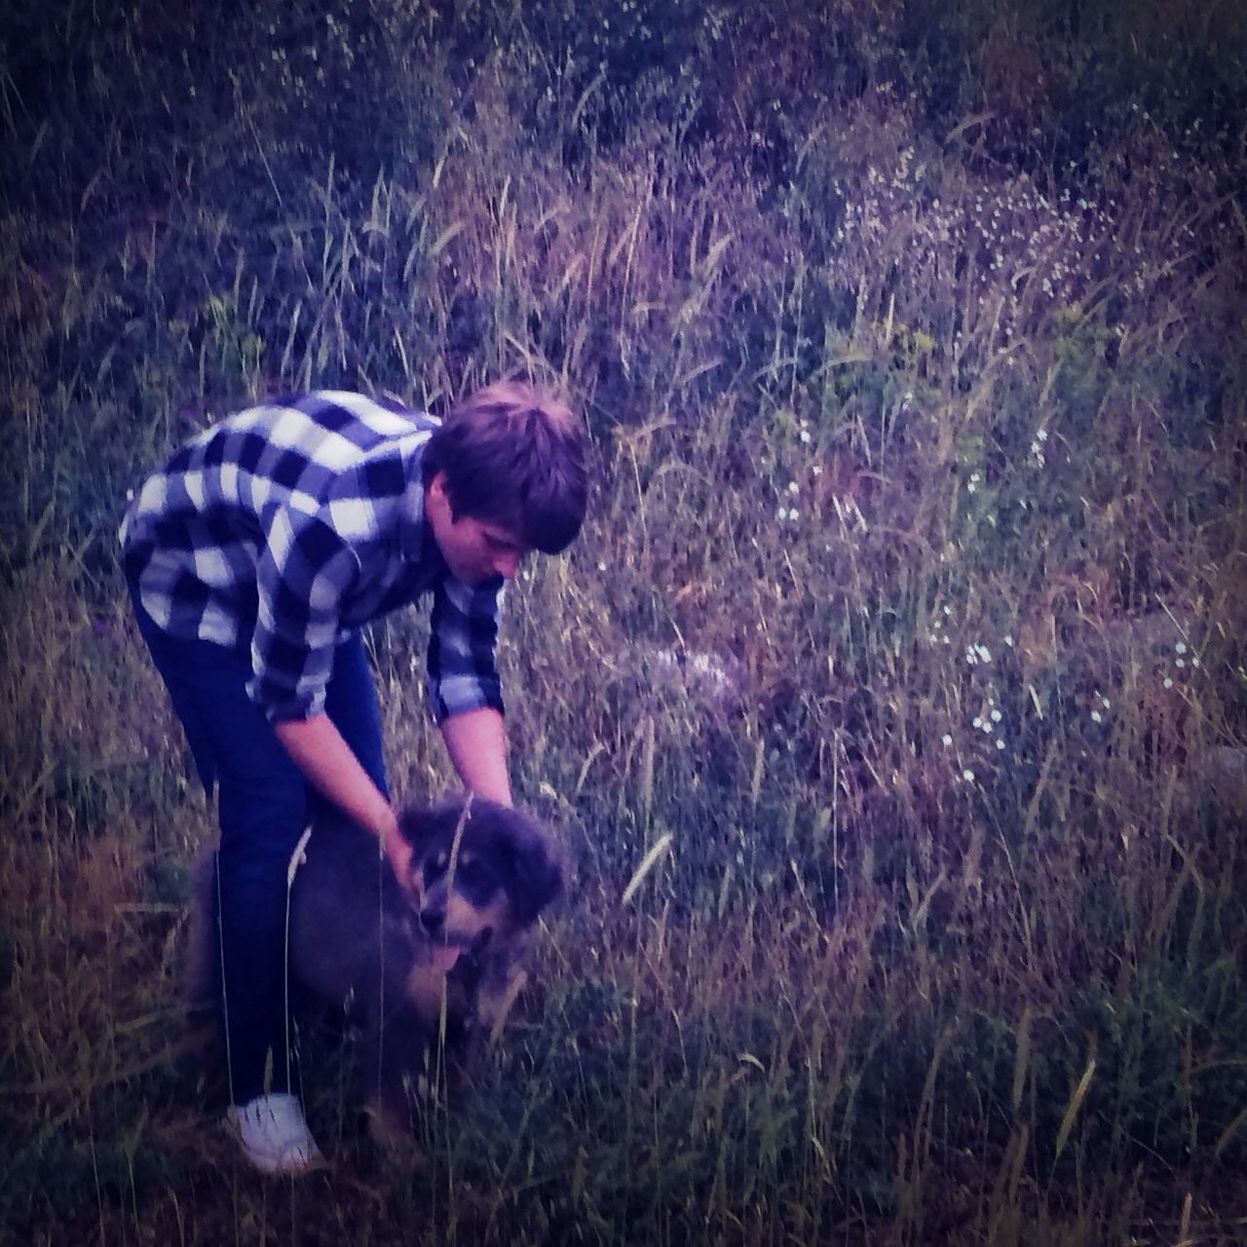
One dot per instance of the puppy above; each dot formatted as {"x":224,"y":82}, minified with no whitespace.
{"x":425,"y":978}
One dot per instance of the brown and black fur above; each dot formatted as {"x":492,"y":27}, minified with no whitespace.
{"x":480,"y":878}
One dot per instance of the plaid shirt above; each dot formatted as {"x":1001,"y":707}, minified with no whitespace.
{"x":288,"y":526}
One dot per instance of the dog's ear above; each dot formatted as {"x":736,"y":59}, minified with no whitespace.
{"x":533,"y":861}
{"x":421,"y":826}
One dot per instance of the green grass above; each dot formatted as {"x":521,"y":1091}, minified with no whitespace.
{"x":912,"y":355}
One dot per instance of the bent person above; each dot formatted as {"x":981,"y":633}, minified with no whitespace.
{"x":254,"y":556}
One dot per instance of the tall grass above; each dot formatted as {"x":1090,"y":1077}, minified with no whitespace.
{"x":891,"y":704}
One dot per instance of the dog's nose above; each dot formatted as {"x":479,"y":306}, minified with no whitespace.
{"x":432,"y":920}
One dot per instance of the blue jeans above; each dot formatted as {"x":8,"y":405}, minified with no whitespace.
{"x":263,"y":805}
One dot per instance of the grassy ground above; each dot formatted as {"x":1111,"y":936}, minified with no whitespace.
{"x":904,"y":642}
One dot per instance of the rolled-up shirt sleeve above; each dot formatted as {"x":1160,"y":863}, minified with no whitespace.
{"x":462,"y":662}
{"x":302,"y":575}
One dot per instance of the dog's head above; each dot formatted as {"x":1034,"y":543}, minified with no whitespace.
{"x":482,"y":872}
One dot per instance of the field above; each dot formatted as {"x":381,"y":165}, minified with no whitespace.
{"x":892,"y":705}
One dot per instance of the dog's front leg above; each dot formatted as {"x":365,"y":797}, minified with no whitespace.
{"x":397,"y":1070}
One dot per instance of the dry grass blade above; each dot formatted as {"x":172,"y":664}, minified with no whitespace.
{"x":1071,"y":1110}
{"x":657,"y":849}
{"x":1022,"y":1060}
{"x":446,"y":237}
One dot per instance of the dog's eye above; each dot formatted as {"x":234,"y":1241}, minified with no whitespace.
{"x":477,"y":876}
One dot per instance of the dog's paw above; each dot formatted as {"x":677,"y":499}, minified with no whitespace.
{"x":395,"y":1139}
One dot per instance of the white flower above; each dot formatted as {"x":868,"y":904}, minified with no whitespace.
{"x":968,"y":775}
{"x":601,"y":567}
{"x":1179,"y":662}
{"x":1095,"y":716}
{"x":794,"y":515}
{"x":985,"y":655}
{"x":1042,"y":435}
{"x":1104,"y":701}
{"x":946,"y":739}
{"x":978,"y":723}
{"x":996,"y":716}
{"x":999,"y":743}
{"x":781,"y":514}
{"x":1180,"y":648}
{"x":1168,"y":682}
{"x":1009,"y":641}
{"x":793,"y":487}
{"x":817,"y":469}
{"x":805,"y":436}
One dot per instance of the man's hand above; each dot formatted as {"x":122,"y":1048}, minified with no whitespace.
{"x":328,"y":764}
{"x":396,"y":849}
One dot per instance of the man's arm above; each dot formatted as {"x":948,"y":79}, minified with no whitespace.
{"x":331,"y":767}
{"x":476,"y":742}
{"x":465,"y":692}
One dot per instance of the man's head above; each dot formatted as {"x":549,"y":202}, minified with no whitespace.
{"x":506,"y":473}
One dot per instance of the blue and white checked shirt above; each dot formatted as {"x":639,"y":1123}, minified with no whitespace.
{"x":286,"y":527}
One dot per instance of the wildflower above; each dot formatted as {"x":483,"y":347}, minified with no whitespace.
{"x":985,"y":655}
{"x":978,"y":723}
{"x":1000,"y":744}
{"x":1009,"y":641}
{"x":1168,"y":682}
{"x":781,"y":514}
{"x":1180,"y":648}
{"x":1095,"y":717}
{"x":968,"y":775}
{"x":601,"y":567}
{"x":947,"y":740}
{"x":793,"y":487}
{"x":996,"y":716}
{"x":805,"y":436}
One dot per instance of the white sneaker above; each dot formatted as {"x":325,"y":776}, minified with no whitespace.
{"x":274,"y":1135}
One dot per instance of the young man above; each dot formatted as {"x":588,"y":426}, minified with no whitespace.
{"x":254,"y":557}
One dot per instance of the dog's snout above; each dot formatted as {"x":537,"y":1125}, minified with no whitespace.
{"x":432,"y":920}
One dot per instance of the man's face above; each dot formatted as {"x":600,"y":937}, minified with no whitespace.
{"x":474,"y":550}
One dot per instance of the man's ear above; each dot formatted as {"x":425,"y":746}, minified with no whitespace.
{"x":436,"y":492}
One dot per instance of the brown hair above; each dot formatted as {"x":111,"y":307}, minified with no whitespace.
{"x":513,"y":454}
